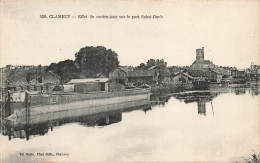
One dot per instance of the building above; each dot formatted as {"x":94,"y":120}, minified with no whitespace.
{"x":200,"y":63}
{"x":101,"y":75}
{"x":157,"y":68}
{"x":200,"y":54}
{"x":89,"y":84}
{"x":254,"y":67}
{"x":140,"y":77}
{"x":226,"y":70}
{"x":124,"y":75}
{"x":238,"y":73}
{"x":215,"y":75}
{"x":253,"y":73}
{"x":238,"y":76}
{"x":119,"y":75}
{"x":182,"y":78}
{"x":164,"y":77}
{"x":198,"y":73}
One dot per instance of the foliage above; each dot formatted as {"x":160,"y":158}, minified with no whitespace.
{"x":152,"y":62}
{"x":29,"y":77}
{"x":94,"y":60}
{"x":142,"y":66}
{"x":161,"y":63}
{"x":67,"y":70}
{"x":254,"y":159}
{"x":89,"y":62}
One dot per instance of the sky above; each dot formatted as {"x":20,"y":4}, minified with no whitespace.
{"x":227,"y":29}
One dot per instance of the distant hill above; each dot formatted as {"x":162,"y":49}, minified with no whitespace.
{"x":21,"y":74}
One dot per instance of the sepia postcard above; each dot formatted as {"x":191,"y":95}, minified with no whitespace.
{"x":130,"y":81}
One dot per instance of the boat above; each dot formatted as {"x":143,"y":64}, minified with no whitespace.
{"x":200,"y":85}
{"x":40,"y":104}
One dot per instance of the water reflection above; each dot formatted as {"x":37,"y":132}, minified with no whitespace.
{"x":254,"y":91}
{"x":41,"y":125}
{"x":159,"y":99}
{"x":240,"y":91}
{"x":28,"y":128}
{"x":170,"y":130}
{"x":201,"y":98}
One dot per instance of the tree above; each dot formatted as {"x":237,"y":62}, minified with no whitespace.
{"x":150,"y":63}
{"x":161,"y":63}
{"x":29,"y":77}
{"x":142,"y":66}
{"x":53,"y":66}
{"x":94,"y":60}
{"x":67,"y":70}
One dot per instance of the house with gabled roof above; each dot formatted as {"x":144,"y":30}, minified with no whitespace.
{"x":182,"y":78}
{"x":119,"y":75}
{"x":142,"y":77}
{"x":125,"y":75}
{"x":215,"y":75}
{"x":157,"y":68}
{"x":164,"y":77}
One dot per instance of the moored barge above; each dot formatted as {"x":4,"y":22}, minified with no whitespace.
{"x":39,"y":104}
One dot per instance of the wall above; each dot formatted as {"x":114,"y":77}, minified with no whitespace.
{"x":113,"y":87}
{"x":87,"y":87}
{"x":238,"y":74}
{"x":118,"y":76}
{"x":167,"y":80}
{"x":181,"y":79}
{"x":200,"y":54}
{"x":142,"y":80}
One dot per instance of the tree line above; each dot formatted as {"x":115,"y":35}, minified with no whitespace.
{"x":89,"y":62}
{"x":152,"y":62}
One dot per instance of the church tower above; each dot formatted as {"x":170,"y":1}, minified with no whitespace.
{"x":200,"y":54}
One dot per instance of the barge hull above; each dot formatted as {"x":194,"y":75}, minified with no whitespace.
{"x":90,"y":106}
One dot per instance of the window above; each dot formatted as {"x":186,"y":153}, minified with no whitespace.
{"x":54,"y":99}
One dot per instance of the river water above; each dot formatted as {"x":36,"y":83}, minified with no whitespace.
{"x":220,"y":125}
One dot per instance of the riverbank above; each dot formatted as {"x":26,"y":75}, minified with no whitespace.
{"x":180,"y":88}
{"x":171,"y":88}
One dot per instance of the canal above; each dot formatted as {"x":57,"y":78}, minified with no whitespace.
{"x":220,"y":125}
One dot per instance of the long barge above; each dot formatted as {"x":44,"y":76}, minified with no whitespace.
{"x":36,"y":105}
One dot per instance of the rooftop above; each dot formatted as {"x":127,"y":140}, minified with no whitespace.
{"x":124,"y":69}
{"x":88,"y":80}
{"x":155,"y":67}
{"x":165,"y":73}
{"x":198,"y":73}
{"x":141,"y":73}
{"x":202,"y":62}
{"x":185,"y":74}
